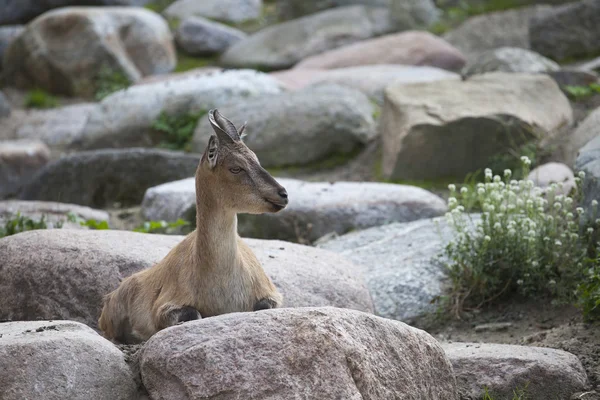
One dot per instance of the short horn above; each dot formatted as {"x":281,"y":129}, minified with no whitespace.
{"x":223,"y":124}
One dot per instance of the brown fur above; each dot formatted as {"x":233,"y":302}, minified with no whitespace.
{"x":212,"y":270}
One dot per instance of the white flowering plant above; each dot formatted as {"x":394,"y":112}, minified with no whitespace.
{"x":526,"y":240}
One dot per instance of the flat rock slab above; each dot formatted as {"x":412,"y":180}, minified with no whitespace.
{"x":398,"y":263}
{"x":315,"y":208}
{"x":406,"y":48}
{"x":19,"y":160}
{"x":51,"y":211}
{"x":100,"y":178}
{"x":283,"y":45}
{"x":60,"y":274}
{"x":316,"y":353}
{"x":451,"y":128}
{"x":369,"y":79}
{"x":300,"y":127}
{"x":61,"y":360}
{"x":548,"y":373}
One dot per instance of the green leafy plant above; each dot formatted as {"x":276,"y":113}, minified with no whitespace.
{"x":18,"y":223}
{"x":589,"y":292}
{"x":526,"y":241}
{"x":38,"y":98}
{"x":109,"y":81}
{"x":163,"y":227}
{"x":581,"y":92}
{"x":177,"y":130}
{"x":90,"y":223}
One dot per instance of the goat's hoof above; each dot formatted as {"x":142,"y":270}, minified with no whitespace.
{"x":187,"y":313}
{"x":264,"y":304}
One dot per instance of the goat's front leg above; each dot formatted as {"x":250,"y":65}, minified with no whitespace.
{"x":265,"y":304}
{"x":170,"y":314}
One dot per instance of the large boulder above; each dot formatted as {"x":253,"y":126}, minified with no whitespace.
{"x":201,"y":37}
{"x":102,"y":177}
{"x":369,"y":79}
{"x":19,"y":160}
{"x":498,"y":29}
{"x":64,"y":274}
{"x":588,"y":161}
{"x":126,"y":118}
{"x":427,"y":136}
{"x":283,"y":45}
{"x":7,"y":35}
{"x":509,"y":59}
{"x":65,"y":50}
{"x":569,"y":31}
{"x":406,"y":48}
{"x":398,"y":262}
{"x":231,"y":11}
{"x":61,"y":129}
{"x":22,"y":11}
{"x":52,"y":212}
{"x":502,"y":368}
{"x":61,"y":360}
{"x":276,"y":354}
{"x":545,"y":175}
{"x":315,"y":208}
{"x":300,"y":127}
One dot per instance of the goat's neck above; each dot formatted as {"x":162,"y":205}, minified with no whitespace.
{"x":216,"y":231}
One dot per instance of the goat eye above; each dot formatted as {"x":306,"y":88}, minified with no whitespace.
{"x":235,"y":170}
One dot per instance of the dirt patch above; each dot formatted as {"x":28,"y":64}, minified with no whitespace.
{"x":528,"y":323}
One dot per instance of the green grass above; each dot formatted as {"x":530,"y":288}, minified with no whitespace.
{"x":38,"y":98}
{"x":577,"y":93}
{"x":185,"y":62}
{"x":18,"y":223}
{"x":109,"y":81}
{"x":177,"y":130}
{"x":159,"y":6}
{"x":332,"y":161}
{"x":518,"y":394}
{"x":162,"y":227}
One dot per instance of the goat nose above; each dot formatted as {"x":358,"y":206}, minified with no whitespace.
{"x":283,"y":193}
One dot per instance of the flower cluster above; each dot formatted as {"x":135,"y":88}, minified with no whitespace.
{"x":526,"y":239}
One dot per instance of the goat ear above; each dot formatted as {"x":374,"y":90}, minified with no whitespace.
{"x":224,"y":129}
{"x":212,"y":151}
{"x":242,"y":130}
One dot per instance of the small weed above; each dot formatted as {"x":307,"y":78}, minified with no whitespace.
{"x":19,"y":223}
{"x":582,"y":92}
{"x":90,"y":223}
{"x":109,"y":81}
{"x":158,"y":6}
{"x":177,"y":129}
{"x":518,"y":394}
{"x":185,"y":62}
{"x":527,"y":241}
{"x":164,"y":227}
{"x":588,"y":292}
{"x":38,"y":98}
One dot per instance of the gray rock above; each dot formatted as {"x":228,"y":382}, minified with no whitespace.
{"x":61,"y":129}
{"x":131,"y":41}
{"x":22,"y":11}
{"x":233,"y":11}
{"x":64,"y":274}
{"x":7,"y":35}
{"x":427,"y":136}
{"x":200,"y":37}
{"x":582,"y":138}
{"x":588,"y":161}
{"x":404,"y":48}
{"x":398,"y":263}
{"x":315,"y":208}
{"x":125,"y":118}
{"x":499,"y":29}
{"x":548,"y":373}
{"x":276,"y":354}
{"x":509,"y":59}
{"x":283,"y":45}
{"x":300,"y":127}
{"x":52,"y":212}
{"x":19,"y":160}
{"x":100,"y":178}
{"x":369,"y":79}
{"x":407,"y":14}
{"x":493,"y":327}
{"x":4,"y":106}
{"x":61,"y":360}
{"x":569,"y":31}
{"x":553,"y":172}
{"x":574,"y":77}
